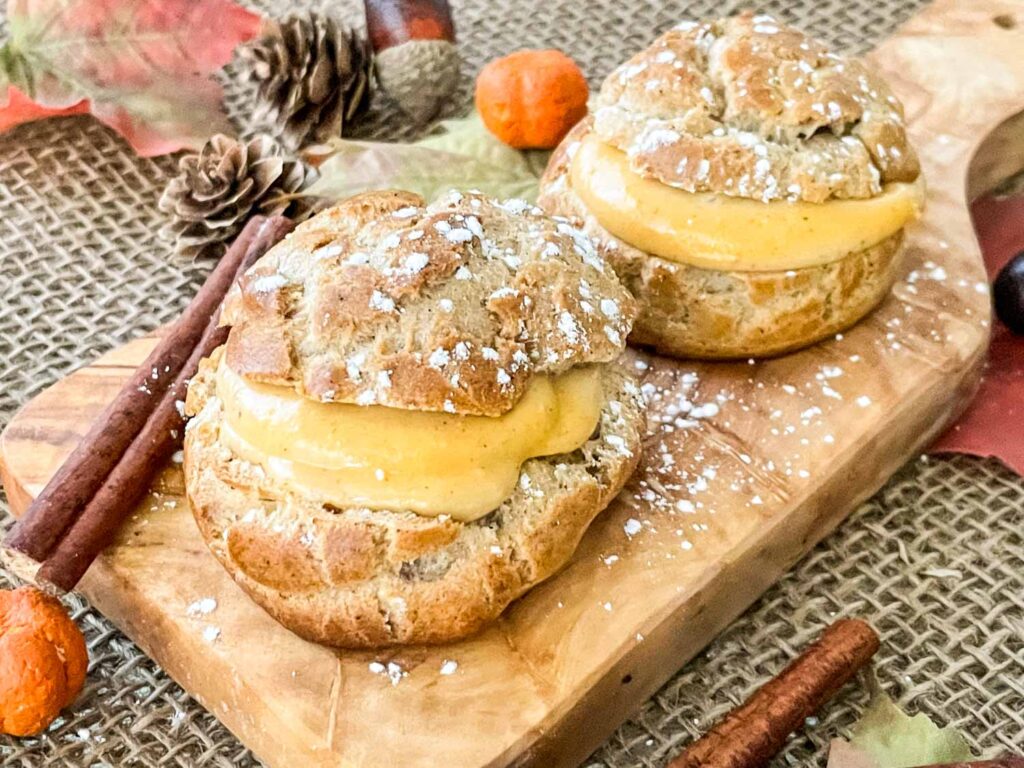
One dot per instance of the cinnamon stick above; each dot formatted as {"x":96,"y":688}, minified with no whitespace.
{"x":47,"y":519}
{"x":752,"y":734}
{"x":130,"y":479}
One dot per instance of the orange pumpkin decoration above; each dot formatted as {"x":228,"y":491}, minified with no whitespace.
{"x":530,"y":99}
{"x":43,"y":660}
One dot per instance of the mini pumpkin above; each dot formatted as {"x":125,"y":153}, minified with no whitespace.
{"x":43,"y":660}
{"x":531,"y":99}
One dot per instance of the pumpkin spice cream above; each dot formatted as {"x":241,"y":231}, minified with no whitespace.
{"x":417,"y":414}
{"x":389,"y":458}
{"x":715,"y":231}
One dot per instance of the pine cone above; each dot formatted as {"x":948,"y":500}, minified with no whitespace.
{"x":217,"y":190}
{"x":313,"y":77}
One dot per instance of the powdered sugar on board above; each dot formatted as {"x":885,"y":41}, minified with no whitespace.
{"x":744,"y":439}
{"x":723,"y":439}
{"x":994,"y":424}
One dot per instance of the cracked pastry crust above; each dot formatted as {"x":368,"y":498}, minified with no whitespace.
{"x":451,"y":307}
{"x":749,"y":107}
{"x":359,"y":578}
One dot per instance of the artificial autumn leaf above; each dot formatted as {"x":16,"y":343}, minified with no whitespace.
{"x":21,"y":109}
{"x":140,"y":66}
{"x":464,"y":155}
{"x":994,"y":423}
{"x":469,"y":136}
{"x":886,"y":737}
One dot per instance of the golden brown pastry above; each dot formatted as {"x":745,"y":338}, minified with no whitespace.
{"x":416,"y":416}
{"x":749,"y":186}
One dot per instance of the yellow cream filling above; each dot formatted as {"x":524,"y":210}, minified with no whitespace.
{"x":730,"y":233}
{"x":390,"y":458}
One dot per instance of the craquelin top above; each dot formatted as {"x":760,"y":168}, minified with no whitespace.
{"x":448,"y":307}
{"x":750,"y":107}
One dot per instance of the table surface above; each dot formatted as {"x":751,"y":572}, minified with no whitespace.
{"x":935,"y":561}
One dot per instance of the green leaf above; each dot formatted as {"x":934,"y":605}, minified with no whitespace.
{"x":463,"y":155}
{"x":886,"y":737}
{"x":469,"y":136}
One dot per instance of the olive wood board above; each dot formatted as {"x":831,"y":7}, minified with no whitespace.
{"x":719,"y":509}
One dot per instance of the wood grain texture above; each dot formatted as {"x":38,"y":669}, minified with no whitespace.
{"x":720,"y":507}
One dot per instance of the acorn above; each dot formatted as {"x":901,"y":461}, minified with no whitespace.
{"x":1008,"y":294}
{"x":416,"y":61}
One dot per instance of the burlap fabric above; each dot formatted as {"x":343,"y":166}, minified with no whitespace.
{"x":935,"y":561}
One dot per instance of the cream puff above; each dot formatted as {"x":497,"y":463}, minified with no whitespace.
{"x":417,"y":414}
{"x":749,"y":186}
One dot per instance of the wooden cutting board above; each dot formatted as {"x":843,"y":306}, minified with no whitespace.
{"x":721,"y":506}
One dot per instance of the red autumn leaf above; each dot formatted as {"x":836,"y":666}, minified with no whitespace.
{"x":141,"y":66}
{"x":21,"y":109}
{"x":994,"y":423}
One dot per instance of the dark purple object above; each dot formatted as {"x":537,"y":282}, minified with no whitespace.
{"x":1008,"y":294}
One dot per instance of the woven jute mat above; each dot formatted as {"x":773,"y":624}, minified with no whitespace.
{"x":935,"y":560}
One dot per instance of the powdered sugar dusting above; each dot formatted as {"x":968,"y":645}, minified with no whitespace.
{"x":392,"y":671}
{"x":202,"y":607}
{"x":269,"y":283}
{"x":382,"y":302}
